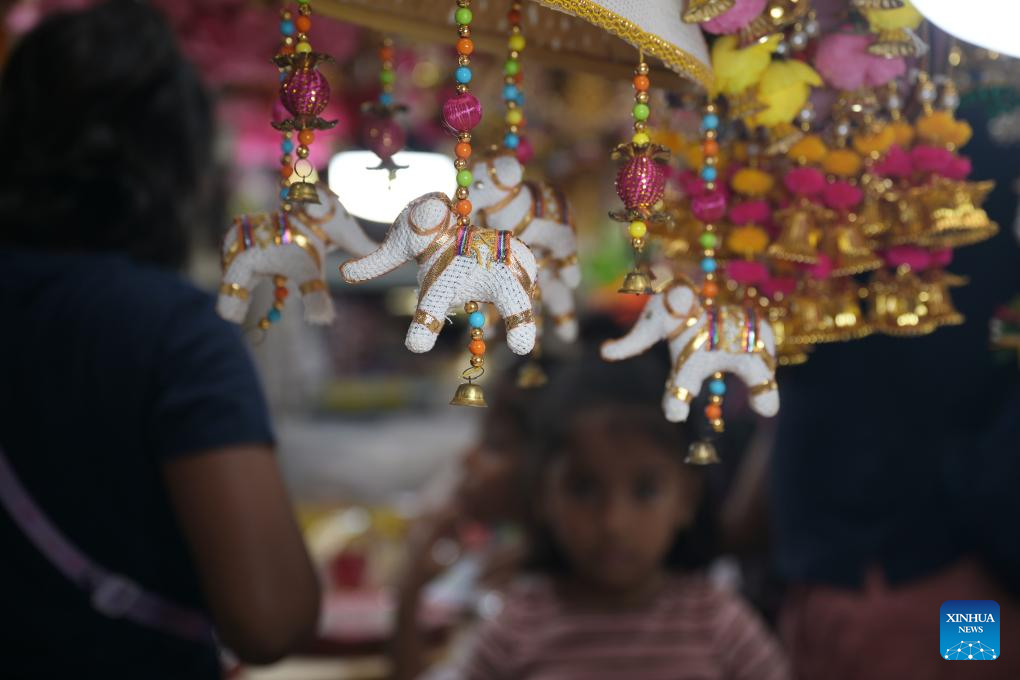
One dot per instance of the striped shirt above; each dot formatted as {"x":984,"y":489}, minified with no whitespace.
{"x":691,"y":631}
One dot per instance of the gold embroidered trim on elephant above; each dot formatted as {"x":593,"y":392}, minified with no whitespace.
{"x":266,"y":230}
{"x":425,"y":319}
{"x":312,"y":286}
{"x":515,"y":320}
{"x":234,"y":290}
{"x":680,"y":393}
{"x":762,"y":388}
{"x":486,"y":246}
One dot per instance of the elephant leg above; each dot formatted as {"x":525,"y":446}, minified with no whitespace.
{"x":515,"y":306}
{"x":235,"y":290}
{"x":317,"y":302}
{"x":561,"y":242}
{"x":434,"y":305}
{"x":686,"y":384}
{"x":761,"y":384}
{"x":558,"y":303}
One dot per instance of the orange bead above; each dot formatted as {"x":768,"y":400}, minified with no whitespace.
{"x":465,"y":46}
{"x":641,"y":83}
{"x":385,"y":54}
{"x":711,"y":147}
{"x":713,"y":411}
{"x":303,"y":24}
{"x":463,"y":150}
{"x":287,"y":49}
{"x":464,"y":207}
{"x":282,"y":293}
{"x":477,"y":347}
{"x":710,"y":289}
{"x":286,"y":170}
{"x":306,"y":137}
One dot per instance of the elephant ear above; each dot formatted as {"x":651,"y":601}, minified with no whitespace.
{"x":508,"y":169}
{"x":679,"y":298}
{"x":428,"y":213}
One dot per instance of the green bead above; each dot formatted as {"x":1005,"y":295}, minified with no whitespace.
{"x":641,"y":112}
{"x":463,"y":16}
{"x":387,"y":77}
{"x":464,"y":178}
{"x":512,"y":67}
{"x":708,"y":240}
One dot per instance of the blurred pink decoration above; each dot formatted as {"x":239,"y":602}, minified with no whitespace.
{"x":280,"y":112}
{"x":931,"y":159}
{"x":805,"y":182}
{"x":305,"y":92}
{"x":941,"y":258}
{"x":747,"y":272}
{"x":842,"y":196}
{"x":820,"y":270}
{"x":845,"y":63}
{"x":774,"y":285}
{"x":914,"y":257}
{"x":461,"y":113}
{"x":710,"y":206}
{"x":382,"y":135}
{"x":525,"y":152}
{"x":640,"y":182}
{"x":895,"y":163}
{"x":958,"y":168}
{"x":735,"y":18}
{"x":750,"y":212}
{"x":256,"y":144}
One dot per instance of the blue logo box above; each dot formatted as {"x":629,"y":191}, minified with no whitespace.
{"x":969,"y":630}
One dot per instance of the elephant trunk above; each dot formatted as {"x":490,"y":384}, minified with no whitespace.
{"x":645,"y":333}
{"x":382,"y":260}
{"x":350,"y":237}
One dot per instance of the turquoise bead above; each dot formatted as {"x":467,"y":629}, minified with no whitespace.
{"x":476,"y":320}
{"x":386,"y":99}
{"x":287,"y":27}
{"x":510,"y":92}
{"x":708,"y":173}
{"x":710,"y":122}
{"x":274,"y":315}
{"x":511,"y":141}
{"x":463,"y":75}
{"x":708,"y":265}
{"x":717,"y":387}
{"x":287,"y":146}
{"x":284,"y":193}
{"x":464,"y":178}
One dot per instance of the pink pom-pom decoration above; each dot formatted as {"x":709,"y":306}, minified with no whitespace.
{"x":820,"y":270}
{"x":689,"y":182}
{"x":806,"y":182}
{"x":736,"y":17}
{"x":750,"y":212}
{"x":911,"y":256}
{"x":709,"y":206}
{"x":844,"y":62}
{"x":842,"y":196}
{"x":941,"y":258}
{"x":959,"y":168}
{"x":931,"y":159}
{"x":280,"y":112}
{"x":747,"y":272}
{"x":776,"y":285}
{"x":461,"y":113}
{"x":382,"y":136}
{"x":525,"y":152}
{"x":640,"y":182}
{"x":896,"y":163}
{"x":305,"y":92}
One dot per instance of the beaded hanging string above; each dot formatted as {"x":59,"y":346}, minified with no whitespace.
{"x":514,"y":139}
{"x":709,"y":241}
{"x":460,"y":115}
{"x":380,"y":132}
{"x":641,"y":182}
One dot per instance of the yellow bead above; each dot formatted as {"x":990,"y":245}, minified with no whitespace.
{"x":638,"y":229}
{"x":641,"y":138}
{"x":514,"y":117}
{"x":303,"y":47}
{"x":517,"y":42}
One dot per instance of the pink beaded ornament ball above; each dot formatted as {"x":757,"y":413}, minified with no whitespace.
{"x":305,"y":92}
{"x":461,"y":113}
{"x":382,"y":136}
{"x":640,"y":182}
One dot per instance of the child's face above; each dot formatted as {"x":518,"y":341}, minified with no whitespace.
{"x":614,"y":501}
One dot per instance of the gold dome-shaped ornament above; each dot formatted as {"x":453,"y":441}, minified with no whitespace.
{"x":850,"y":253}
{"x":907,"y":219}
{"x":896,"y":304}
{"x":798,"y":236}
{"x":702,"y":453}
{"x":636,"y":282}
{"x":531,"y":376}
{"x":955,"y":217}
{"x":934,"y":292}
{"x":700,"y":11}
{"x":810,"y":322}
{"x":898,"y":42}
{"x":849,"y":322}
{"x":469,"y":394}
{"x":877,"y":4}
{"x":777,"y":15}
{"x":873,"y":217}
{"x":788,"y":353}
{"x":302,"y":192}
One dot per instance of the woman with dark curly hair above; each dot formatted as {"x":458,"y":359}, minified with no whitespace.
{"x":141,"y":509}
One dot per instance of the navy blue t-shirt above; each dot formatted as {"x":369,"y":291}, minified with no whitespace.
{"x":107,"y":369}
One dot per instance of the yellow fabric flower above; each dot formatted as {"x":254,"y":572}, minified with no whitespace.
{"x":941,"y":127}
{"x":894,"y":19}
{"x":903,"y":132}
{"x":784,"y":90}
{"x":752,"y":182}
{"x":748,"y":240}
{"x":875,"y":143}
{"x":738,"y":69}
{"x":809,"y":149}
{"x":842,"y":163}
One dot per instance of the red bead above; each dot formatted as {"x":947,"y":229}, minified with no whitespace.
{"x":286,"y":170}
{"x":303,"y":24}
{"x":282,"y":293}
{"x":463,"y":207}
{"x":463,"y":150}
{"x":477,"y":347}
{"x":513,"y":16}
{"x":713,"y":412}
{"x":641,"y":83}
{"x":386,"y":54}
{"x":287,"y":49}
{"x":710,"y":289}
{"x":306,"y":137}
{"x":465,"y":46}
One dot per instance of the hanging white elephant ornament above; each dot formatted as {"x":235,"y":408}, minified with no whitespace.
{"x":539,"y":216}
{"x":704,"y":341}
{"x":287,"y":246}
{"x":457,"y":265}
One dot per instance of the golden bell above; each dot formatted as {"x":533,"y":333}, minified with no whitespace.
{"x":302,"y":192}
{"x":700,"y":11}
{"x":796,"y":242}
{"x":469,"y":394}
{"x":909,"y":225}
{"x":900,"y":306}
{"x":934,"y":292}
{"x":898,"y":42}
{"x":851,"y":255}
{"x":847,"y":315}
{"x":636,"y":283}
{"x":531,"y":376}
{"x":702,"y":453}
{"x":955,"y":214}
{"x":872,"y":221}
